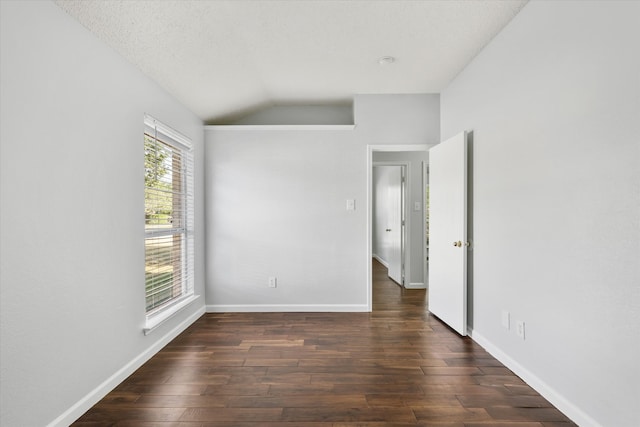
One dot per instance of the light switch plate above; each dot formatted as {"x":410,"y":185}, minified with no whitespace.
{"x":273,"y":282}
{"x":417,"y":206}
{"x":351,"y":204}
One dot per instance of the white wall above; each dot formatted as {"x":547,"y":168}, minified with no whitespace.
{"x":553,"y":103}
{"x":72,"y":264}
{"x":276,"y":206}
{"x":415,"y":218}
{"x":397,"y":119}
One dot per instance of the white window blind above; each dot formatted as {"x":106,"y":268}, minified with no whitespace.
{"x":169,"y":217}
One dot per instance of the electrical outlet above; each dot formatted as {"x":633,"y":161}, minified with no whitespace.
{"x":506,"y":319}
{"x":520,"y":328}
{"x":273,"y":282}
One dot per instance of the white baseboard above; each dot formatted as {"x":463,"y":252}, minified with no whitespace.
{"x":287,"y":308}
{"x":380,"y":260}
{"x":94,"y":396}
{"x":576,"y":414}
{"x":415,"y":286}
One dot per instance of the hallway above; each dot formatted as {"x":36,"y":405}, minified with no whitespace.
{"x":396,"y":366}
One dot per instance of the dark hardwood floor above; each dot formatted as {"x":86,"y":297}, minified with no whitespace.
{"x":397,"y":366}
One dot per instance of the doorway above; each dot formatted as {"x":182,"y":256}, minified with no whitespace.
{"x":414,"y":157}
{"x":389,"y":217}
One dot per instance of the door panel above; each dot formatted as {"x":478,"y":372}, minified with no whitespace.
{"x":448,"y":232}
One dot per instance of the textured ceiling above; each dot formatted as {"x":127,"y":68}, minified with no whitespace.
{"x":224,"y":58}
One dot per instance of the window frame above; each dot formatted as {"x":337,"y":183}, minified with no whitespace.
{"x":175,"y":143}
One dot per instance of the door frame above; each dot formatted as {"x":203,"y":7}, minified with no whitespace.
{"x":371,"y":148}
{"x":425,"y":248}
{"x":405,"y":247}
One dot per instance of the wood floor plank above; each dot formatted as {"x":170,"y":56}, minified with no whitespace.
{"x":483,"y":401}
{"x":271,"y":362}
{"x":389,"y":415}
{"x":397,"y":366}
{"x":288,"y":401}
{"x":166,"y":389}
{"x":232,"y":414}
{"x":161,"y":401}
{"x":246,"y":389}
{"x":136,"y":423}
{"x":448,"y":414}
{"x":108,"y":414}
{"x":525,"y":414}
{"x":498,"y":423}
{"x":413,"y":401}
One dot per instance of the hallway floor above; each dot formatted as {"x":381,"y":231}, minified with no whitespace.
{"x":397,"y":366}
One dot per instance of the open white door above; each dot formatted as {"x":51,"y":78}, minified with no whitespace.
{"x":395,"y":228}
{"x":448,"y":232}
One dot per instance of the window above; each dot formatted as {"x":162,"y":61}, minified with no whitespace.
{"x":169,"y":218}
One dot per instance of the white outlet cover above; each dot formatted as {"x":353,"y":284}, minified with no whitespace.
{"x":273,"y":282}
{"x":520,"y":329}
{"x":506,"y":319}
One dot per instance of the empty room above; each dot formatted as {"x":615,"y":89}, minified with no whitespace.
{"x":319,"y":213}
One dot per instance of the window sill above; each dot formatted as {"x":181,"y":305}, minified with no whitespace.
{"x":164,"y":315}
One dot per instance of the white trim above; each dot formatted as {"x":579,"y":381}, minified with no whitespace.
{"x":279,"y":127}
{"x":415,"y":286}
{"x":399,"y":147}
{"x":286,"y":308}
{"x":94,"y":396}
{"x":425,"y":254}
{"x":162,"y":316}
{"x":381,"y":261}
{"x":576,"y":414}
{"x":168,"y":131}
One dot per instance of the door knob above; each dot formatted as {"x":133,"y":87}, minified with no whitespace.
{"x":388,"y":229}
{"x":457,"y":244}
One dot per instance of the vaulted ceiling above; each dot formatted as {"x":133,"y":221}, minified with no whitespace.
{"x":225,"y":58}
